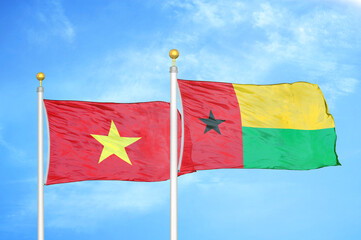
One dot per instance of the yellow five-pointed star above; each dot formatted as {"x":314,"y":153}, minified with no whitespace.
{"x":115,"y":144}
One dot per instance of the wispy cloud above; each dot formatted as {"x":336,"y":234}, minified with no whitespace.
{"x":84,"y":205}
{"x":52,"y":21}
{"x":123,"y":75}
{"x":311,"y":44}
{"x":356,"y":3}
{"x":209,"y":13}
{"x":212,"y":187}
{"x":12,"y":151}
{"x":339,"y":87}
{"x":136,"y":75}
{"x":270,"y":44}
{"x":267,"y":16}
{"x":80,"y":205}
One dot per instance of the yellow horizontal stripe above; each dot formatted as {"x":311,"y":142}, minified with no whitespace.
{"x":299,"y":105}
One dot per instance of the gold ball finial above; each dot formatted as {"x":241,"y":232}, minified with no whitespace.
{"x":173,"y":54}
{"x":40,"y":76}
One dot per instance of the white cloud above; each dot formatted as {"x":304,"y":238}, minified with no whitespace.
{"x":83,"y":205}
{"x":348,"y":85}
{"x":304,"y":40}
{"x":13,"y":151}
{"x":339,"y":87}
{"x":123,"y":75}
{"x":307,"y":41}
{"x":52,"y":22}
{"x":267,"y":16}
{"x":135,"y":75}
{"x":220,"y":186}
{"x":356,"y":3}
{"x":313,"y":43}
{"x":211,"y":13}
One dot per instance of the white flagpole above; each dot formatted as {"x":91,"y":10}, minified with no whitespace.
{"x":173,"y":147}
{"x":40,"y":76}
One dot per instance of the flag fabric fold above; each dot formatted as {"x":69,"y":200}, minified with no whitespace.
{"x":109,"y":141}
{"x":281,"y":126}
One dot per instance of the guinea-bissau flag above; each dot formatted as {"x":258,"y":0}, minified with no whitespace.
{"x":281,"y":126}
{"x":109,"y":141}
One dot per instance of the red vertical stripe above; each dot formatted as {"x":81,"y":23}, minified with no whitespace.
{"x":211,"y":150}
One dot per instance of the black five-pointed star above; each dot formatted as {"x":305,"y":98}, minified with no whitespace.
{"x":212,"y":123}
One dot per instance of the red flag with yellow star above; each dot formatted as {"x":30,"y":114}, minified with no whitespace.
{"x":109,"y":141}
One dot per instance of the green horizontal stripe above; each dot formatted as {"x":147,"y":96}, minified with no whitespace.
{"x":289,"y":148}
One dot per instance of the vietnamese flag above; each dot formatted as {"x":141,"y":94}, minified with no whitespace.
{"x":281,"y":126}
{"x":109,"y":141}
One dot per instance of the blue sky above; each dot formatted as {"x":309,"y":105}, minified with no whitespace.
{"x":118,"y":51}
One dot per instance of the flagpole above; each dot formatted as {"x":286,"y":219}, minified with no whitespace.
{"x":40,"y":76}
{"x":173,"y":147}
